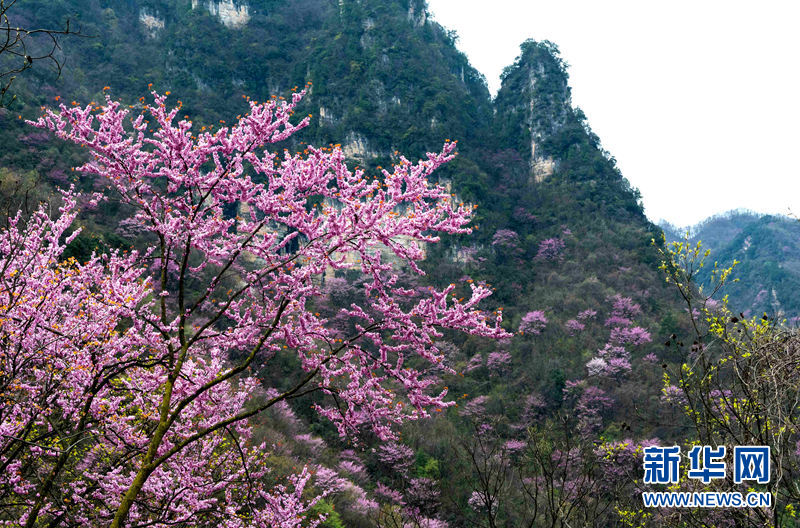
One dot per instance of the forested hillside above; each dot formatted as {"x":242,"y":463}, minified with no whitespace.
{"x":549,"y":423}
{"x":766,"y":249}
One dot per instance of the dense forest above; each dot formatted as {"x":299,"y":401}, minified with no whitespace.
{"x":613,"y":338}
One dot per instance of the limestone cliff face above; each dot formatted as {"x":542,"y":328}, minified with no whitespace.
{"x":357,"y":146}
{"x":232,"y":14}
{"x":417,"y":13}
{"x":152,"y":22}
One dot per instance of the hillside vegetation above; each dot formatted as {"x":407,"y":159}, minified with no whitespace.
{"x":550,"y":424}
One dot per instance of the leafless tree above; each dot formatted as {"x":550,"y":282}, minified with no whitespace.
{"x":21,"y":47}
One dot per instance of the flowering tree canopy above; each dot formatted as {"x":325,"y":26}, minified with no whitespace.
{"x":128,"y":389}
{"x":533,"y":322}
{"x":550,"y":249}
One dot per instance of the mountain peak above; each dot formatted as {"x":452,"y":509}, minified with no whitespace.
{"x":534,"y":103}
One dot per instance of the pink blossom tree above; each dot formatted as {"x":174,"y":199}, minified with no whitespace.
{"x":551,"y":249}
{"x":533,"y":322}
{"x":128,"y":390}
{"x":499,"y":362}
{"x":614,"y":360}
{"x":506,"y":239}
{"x":574,"y":326}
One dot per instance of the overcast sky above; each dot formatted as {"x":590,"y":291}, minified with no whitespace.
{"x":699,"y":101}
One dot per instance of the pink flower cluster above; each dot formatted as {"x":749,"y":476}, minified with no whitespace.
{"x":533,"y":322}
{"x":498,"y":362}
{"x":613,"y":359}
{"x":551,"y":249}
{"x":574,"y":326}
{"x":506,"y":238}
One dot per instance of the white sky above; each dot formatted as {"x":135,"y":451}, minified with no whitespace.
{"x":699,"y":101}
